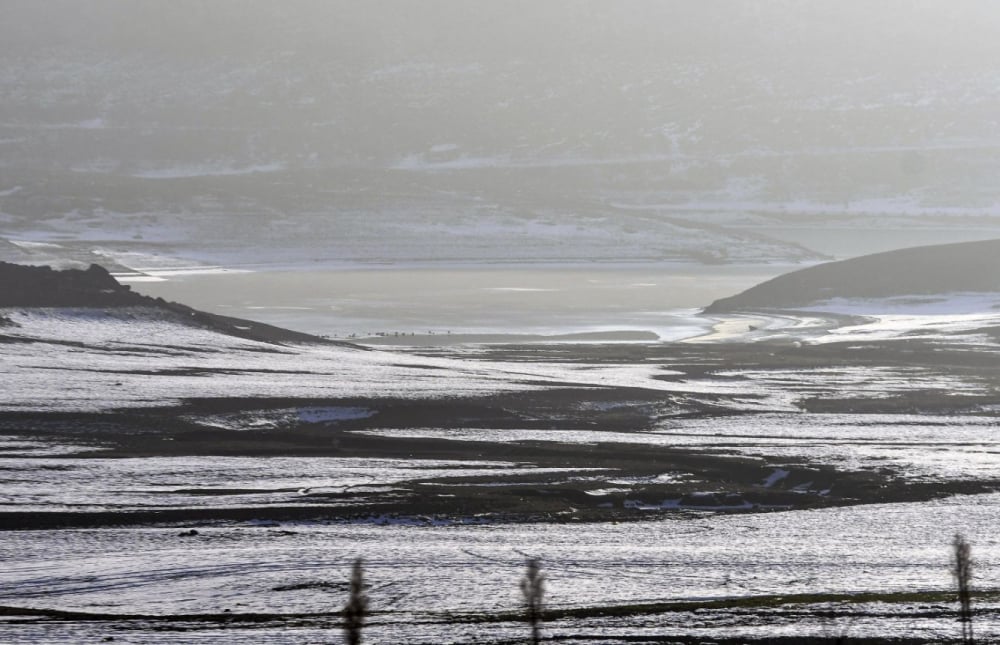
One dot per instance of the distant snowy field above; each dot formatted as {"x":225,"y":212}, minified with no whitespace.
{"x":145,"y":357}
{"x":141,"y":357}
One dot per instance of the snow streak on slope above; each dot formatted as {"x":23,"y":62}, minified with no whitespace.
{"x":144,"y":357}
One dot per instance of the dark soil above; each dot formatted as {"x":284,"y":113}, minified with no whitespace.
{"x":567,"y":496}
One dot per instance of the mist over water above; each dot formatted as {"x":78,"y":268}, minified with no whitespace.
{"x":492,"y":301}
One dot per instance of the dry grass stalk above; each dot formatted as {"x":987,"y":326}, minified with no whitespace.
{"x":533,"y":589}
{"x":962,"y":570}
{"x":357,"y":606}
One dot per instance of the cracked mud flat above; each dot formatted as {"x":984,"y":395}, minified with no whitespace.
{"x":770,"y":490}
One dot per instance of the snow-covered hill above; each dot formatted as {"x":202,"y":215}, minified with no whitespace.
{"x":918,"y":272}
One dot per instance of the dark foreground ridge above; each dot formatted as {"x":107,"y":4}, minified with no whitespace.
{"x":924,"y":270}
{"x":41,"y":286}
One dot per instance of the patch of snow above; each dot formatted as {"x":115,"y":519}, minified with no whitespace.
{"x":920,"y":448}
{"x":913,"y":316}
{"x":100,"y":166}
{"x":420,"y":162}
{"x":601,"y":492}
{"x":211,"y":169}
{"x":191,"y":361}
{"x":775,"y":477}
{"x":31,"y":447}
{"x":199,"y":482}
{"x":520,"y":289}
{"x":31,"y":245}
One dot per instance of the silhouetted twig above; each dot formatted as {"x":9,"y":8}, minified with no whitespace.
{"x":533,"y":588}
{"x":357,"y":606}
{"x":962,"y":570}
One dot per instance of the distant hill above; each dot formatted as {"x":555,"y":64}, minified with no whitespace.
{"x":41,"y":286}
{"x":924,"y":270}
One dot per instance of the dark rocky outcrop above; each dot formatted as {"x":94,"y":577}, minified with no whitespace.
{"x":924,"y":270}
{"x":41,"y":286}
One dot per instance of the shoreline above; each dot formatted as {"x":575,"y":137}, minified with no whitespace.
{"x":506,"y":301}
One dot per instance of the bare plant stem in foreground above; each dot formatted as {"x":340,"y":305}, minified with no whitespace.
{"x":533,"y":588}
{"x":357,"y":606}
{"x":962,"y":570}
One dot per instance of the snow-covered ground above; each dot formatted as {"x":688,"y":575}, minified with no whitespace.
{"x":142,"y":357}
{"x":145,"y":357}
{"x":918,"y":448}
{"x":167,"y":144}
{"x":937,"y":316}
{"x":965,"y":318}
{"x":230,"y":482}
{"x":418,"y":573}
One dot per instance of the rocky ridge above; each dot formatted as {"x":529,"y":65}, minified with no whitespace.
{"x":41,"y":286}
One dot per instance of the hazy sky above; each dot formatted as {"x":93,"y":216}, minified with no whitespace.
{"x":272,"y":110}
